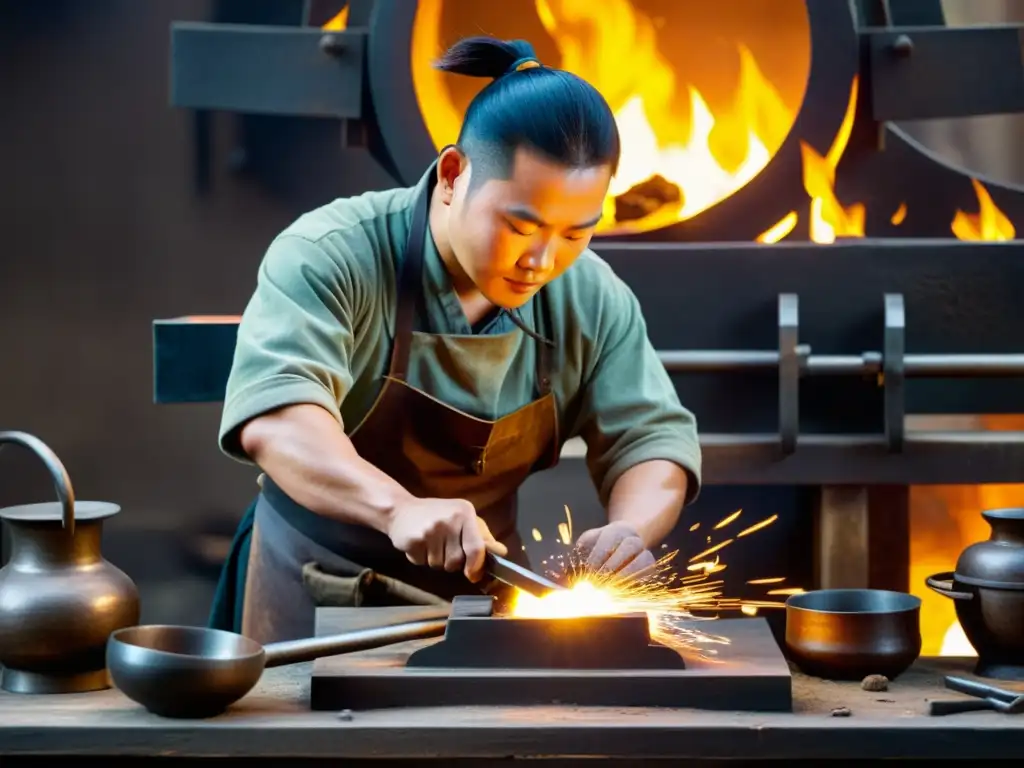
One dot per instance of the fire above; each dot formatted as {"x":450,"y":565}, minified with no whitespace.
{"x":678,"y":159}
{"x":829,"y":218}
{"x":643,"y":96}
{"x":666,"y":597}
{"x":989,"y":223}
{"x":944,"y":521}
{"x":338,"y":23}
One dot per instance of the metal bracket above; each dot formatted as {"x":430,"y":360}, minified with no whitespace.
{"x":789,"y":371}
{"x":893,"y":369}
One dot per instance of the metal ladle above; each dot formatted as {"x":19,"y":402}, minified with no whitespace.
{"x":195,"y":672}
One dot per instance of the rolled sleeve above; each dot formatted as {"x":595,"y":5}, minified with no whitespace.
{"x":295,"y":339}
{"x":630,"y":412}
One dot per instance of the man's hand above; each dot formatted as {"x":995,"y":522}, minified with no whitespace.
{"x":443,"y":533}
{"x":614,"y":548}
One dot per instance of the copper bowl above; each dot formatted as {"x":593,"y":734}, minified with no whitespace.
{"x":848,"y":634}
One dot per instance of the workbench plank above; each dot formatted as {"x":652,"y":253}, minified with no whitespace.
{"x":275,"y":721}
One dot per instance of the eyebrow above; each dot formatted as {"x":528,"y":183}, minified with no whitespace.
{"x":525,"y":214}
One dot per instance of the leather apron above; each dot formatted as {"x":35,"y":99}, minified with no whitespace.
{"x":299,"y":560}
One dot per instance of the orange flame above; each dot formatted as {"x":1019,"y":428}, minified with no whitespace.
{"x":644,"y":93}
{"x":829,"y":218}
{"x":338,"y":23}
{"x":614,"y":46}
{"x":989,"y":223}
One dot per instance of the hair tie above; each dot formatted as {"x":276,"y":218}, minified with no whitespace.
{"x":527,"y":62}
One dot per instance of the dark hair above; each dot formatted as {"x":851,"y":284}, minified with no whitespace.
{"x":554,"y":112}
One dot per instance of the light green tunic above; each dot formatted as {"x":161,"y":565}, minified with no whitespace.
{"x":320,"y":325}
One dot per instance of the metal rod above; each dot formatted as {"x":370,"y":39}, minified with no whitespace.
{"x":867,"y":363}
{"x":964,"y":365}
{"x":307,"y":649}
{"x":921,"y":437}
{"x":718,"y":360}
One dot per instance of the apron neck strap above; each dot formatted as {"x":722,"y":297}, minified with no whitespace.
{"x":410,"y":287}
{"x":410,"y":282}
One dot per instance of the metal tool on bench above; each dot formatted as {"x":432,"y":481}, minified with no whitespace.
{"x":986,"y":697}
{"x":195,"y":672}
{"x":514,"y":575}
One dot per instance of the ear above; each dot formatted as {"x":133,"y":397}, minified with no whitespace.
{"x":450,"y":165}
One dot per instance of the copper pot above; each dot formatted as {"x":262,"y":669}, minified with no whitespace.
{"x":987,"y":589}
{"x":59,"y":599}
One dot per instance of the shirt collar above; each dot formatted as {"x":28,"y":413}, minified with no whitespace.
{"x":439,"y":299}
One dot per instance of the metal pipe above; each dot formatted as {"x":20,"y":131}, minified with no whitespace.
{"x":964,"y":365}
{"x":867,"y":363}
{"x":718,"y":360}
{"x":917,"y":437}
{"x":307,"y":649}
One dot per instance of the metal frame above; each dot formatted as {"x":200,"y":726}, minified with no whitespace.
{"x":827,"y":409}
{"x":261,"y":69}
{"x":919,"y":73}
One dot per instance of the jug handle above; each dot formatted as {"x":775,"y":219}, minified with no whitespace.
{"x":943,"y":584}
{"x":61,"y":480}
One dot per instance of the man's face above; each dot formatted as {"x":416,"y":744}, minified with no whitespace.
{"x":513,"y":236}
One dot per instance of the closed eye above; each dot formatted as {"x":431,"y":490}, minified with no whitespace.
{"x":516,"y":230}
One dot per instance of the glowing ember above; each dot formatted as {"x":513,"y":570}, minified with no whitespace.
{"x":666,"y":597}
{"x":780,"y":229}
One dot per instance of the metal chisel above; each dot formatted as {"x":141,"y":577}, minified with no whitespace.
{"x":517,"y":576}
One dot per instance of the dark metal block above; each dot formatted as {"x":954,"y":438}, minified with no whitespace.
{"x":922,"y":73}
{"x":592,"y":642}
{"x":927,"y":458}
{"x":296,"y":71}
{"x":192,"y":358}
{"x":749,"y":673}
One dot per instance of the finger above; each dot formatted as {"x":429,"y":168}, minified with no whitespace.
{"x":624,"y":554}
{"x":474,"y":549}
{"x":586,"y":541}
{"x":641,"y":566}
{"x":454,"y":557}
{"x":416,"y":554}
{"x":606,"y":544}
{"x":435,"y":550}
{"x":491,"y":543}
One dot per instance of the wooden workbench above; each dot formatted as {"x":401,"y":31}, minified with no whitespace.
{"x":275,"y":721}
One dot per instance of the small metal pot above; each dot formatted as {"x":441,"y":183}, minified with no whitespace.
{"x":987,"y":590}
{"x":848,"y":634}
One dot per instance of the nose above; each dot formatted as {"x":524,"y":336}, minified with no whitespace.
{"x":540,"y":258}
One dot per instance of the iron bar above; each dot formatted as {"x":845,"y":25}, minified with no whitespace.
{"x":865,"y":364}
{"x":926,"y":458}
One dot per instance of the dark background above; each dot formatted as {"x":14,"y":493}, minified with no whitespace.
{"x":105,"y":228}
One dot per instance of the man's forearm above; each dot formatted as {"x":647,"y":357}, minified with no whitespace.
{"x":649,"y":498}
{"x":307,"y":453}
